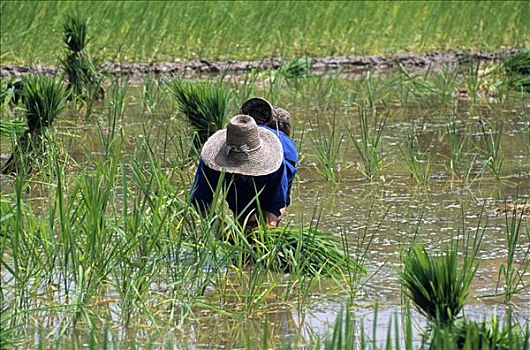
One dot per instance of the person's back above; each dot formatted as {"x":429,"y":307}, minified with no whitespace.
{"x":255,"y":171}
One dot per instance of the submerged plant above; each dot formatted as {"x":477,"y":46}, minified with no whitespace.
{"x":437,"y":286}
{"x":43,"y":99}
{"x":84,"y":80}
{"x":203,"y":103}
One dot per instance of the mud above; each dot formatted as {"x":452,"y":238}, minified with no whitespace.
{"x":434,"y":61}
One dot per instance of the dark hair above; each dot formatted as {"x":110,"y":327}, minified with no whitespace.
{"x":281,"y":120}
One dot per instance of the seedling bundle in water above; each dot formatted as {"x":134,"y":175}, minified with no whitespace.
{"x":43,"y":100}
{"x":84,"y":81}
{"x":204,"y":105}
{"x":299,"y":251}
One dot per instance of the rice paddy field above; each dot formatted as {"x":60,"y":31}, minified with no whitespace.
{"x":409,"y":213}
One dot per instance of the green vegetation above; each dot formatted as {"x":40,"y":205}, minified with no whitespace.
{"x":203,"y":103}
{"x":159,"y":31}
{"x":43,"y":99}
{"x":84,"y":81}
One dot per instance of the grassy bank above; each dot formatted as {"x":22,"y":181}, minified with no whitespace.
{"x":31,"y":32}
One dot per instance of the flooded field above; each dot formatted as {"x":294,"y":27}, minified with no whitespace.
{"x":98,"y":258}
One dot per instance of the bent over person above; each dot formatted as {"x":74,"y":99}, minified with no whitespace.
{"x":256,"y":175}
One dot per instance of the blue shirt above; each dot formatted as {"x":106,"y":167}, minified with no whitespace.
{"x":272,"y":190}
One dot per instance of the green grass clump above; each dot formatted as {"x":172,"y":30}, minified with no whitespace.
{"x":305,"y":251}
{"x":203,"y":103}
{"x":437,"y":285}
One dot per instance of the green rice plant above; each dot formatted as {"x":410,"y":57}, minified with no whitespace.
{"x":493,"y":151}
{"x":458,"y":143}
{"x":153,"y":94}
{"x":328,"y":149}
{"x":511,"y":273}
{"x":517,"y":69}
{"x":10,"y":93}
{"x":203,"y":103}
{"x":84,"y":80}
{"x":11,"y":127}
{"x":298,"y":251}
{"x":437,"y":285}
{"x":419,"y":162}
{"x":371,"y":127}
{"x":295,"y":69}
{"x":44,"y":100}
{"x":490,"y":334}
{"x":429,"y":87}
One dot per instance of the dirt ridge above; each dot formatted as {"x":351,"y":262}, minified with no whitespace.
{"x":346,"y":64}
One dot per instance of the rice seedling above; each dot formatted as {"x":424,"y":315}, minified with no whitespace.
{"x":153,"y":94}
{"x":328,"y":149}
{"x":203,"y":103}
{"x":437,"y":286}
{"x":493,"y":151}
{"x":419,"y":162}
{"x":43,"y":100}
{"x":512,"y":273}
{"x":265,"y":30}
{"x":517,"y":68}
{"x":458,"y":143}
{"x":295,"y":69}
{"x":84,"y":80}
{"x":302,"y":251}
{"x":491,"y":334}
{"x":371,"y":128}
{"x":11,"y":127}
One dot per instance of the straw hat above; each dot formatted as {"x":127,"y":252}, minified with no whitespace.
{"x":258,"y":108}
{"x":243,"y":148}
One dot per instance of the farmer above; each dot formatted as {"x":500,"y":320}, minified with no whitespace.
{"x":279,"y":120}
{"x":256,"y":173}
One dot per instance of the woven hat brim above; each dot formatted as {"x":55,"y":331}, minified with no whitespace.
{"x":259,"y":109}
{"x":264,"y":161}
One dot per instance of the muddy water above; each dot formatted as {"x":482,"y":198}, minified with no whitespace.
{"x":392,"y":212}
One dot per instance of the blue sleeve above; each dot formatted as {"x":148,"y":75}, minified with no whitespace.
{"x":203,"y":187}
{"x":276,"y":195}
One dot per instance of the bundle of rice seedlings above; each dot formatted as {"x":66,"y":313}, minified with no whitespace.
{"x":84,"y":80}
{"x":517,"y":67}
{"x":299,"y":251}
{"x":43,"y":100}
{"x":203,"y":103}
{"x":297,"y":68}
{"x":492,"y":334}
{"x":437,"y":286}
